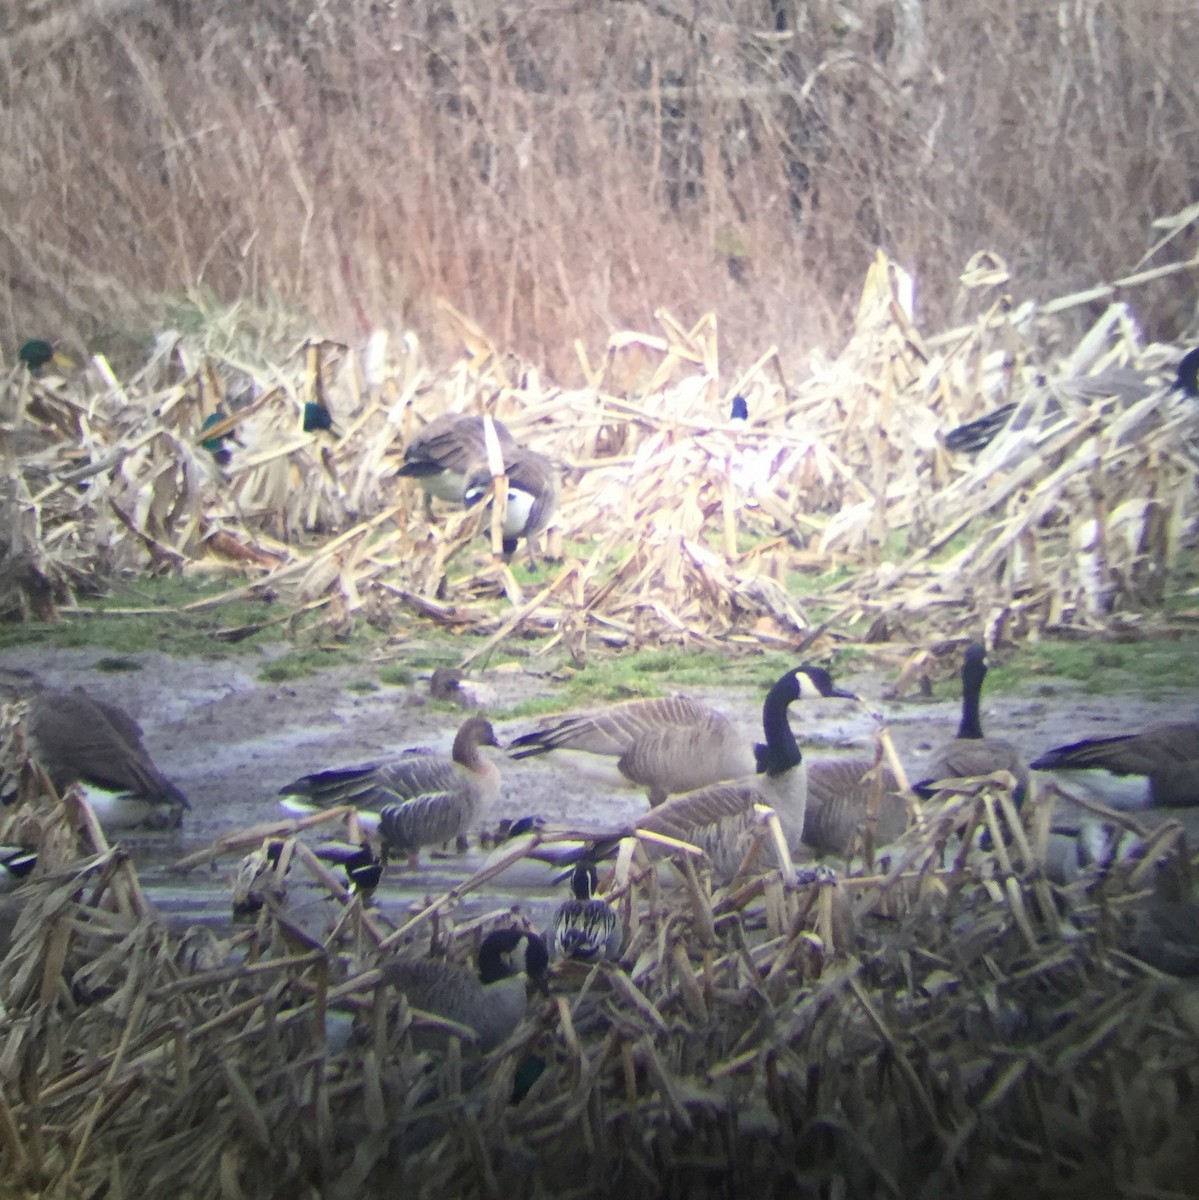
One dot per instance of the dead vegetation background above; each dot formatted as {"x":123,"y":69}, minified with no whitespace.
{"x":569,"y":180}
{"x":559,"y":172}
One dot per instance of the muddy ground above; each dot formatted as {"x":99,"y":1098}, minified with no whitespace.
{"x":230,"y":740}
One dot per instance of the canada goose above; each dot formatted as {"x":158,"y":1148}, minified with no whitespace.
{"x":585,"y":927}
{"x":422,"y":799}
{"x":780,"y":782}
{"x":1129,"y":384}
{"x":532,"y":494}
{"x":1158,"y":766}
{"x":258,"y":876}
{"x":442,"y":454}
{"x":77,"y":738}
{"x":491,"y":1002}
{"x":970,"y":753}
{"x":668,"y":745}
{"x":839,"y":798}
{"x":16,"y":865}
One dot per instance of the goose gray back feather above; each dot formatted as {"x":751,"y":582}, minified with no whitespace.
{"x":77,"y":738}
{"x":839,"y":796}
{"x":442,"y":454}
{"x":668,"y":745}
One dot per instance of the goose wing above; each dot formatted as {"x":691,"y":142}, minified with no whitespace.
{"x":839,"y":799}
{"x":377,"y":783}
{"x":682,"y":815}
{"x":427,"y":820}
{"x":681,"y":758}
{"x":450,"y":442}
{"x":77,"y":738}
{"x":1128,"y":754}
{"x":614,"y":730}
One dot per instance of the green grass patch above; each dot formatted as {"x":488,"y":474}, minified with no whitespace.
{"x":145,"y":614}
{"x":1145,"y":668}
{"x":396,"y":675}
{"x":645,"y":674}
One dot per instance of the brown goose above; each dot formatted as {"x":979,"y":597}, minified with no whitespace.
{"x":421,"y":798}
{"x":971,"y":753}
{"x":442,"y":454}
{"x":1158,"y":766}
{"x":76,"y":738}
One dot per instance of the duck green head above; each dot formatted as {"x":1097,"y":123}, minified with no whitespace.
{"x":36,"y":353}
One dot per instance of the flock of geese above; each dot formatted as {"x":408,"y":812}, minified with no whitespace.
{"x":706,"y":785}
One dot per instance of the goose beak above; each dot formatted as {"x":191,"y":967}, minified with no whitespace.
{"x":842,"y":694}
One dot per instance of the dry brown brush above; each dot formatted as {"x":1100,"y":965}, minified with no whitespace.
{"x":675,"y":522}
{"x":559,"y":172}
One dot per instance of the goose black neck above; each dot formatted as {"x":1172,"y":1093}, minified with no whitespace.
{"x":584,"y":881}
{"x":781,"y":751}
{"x":1188,"y":374}
{"x":972,"y":686}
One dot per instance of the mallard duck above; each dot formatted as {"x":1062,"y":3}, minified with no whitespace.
{"x":441,"y":455}
{"x":35,"y":354}
{"x":532,"y":494}
{"x":585,"y":927}
{"x":257,"y":877}
{"x":362,"y":866}
{"x":491,"y":1002}
{"x":421,"y":798}
{"x":76,"y":738}
{"x":971,"y":753}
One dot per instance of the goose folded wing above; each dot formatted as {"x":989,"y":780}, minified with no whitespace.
{"x":426,"y":820}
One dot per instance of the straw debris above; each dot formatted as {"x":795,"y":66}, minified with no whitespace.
{"x":909,"y":1026}
{"x":675,"y":521}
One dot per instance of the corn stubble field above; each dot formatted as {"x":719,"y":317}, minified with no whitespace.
{"x":528,"y":201}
